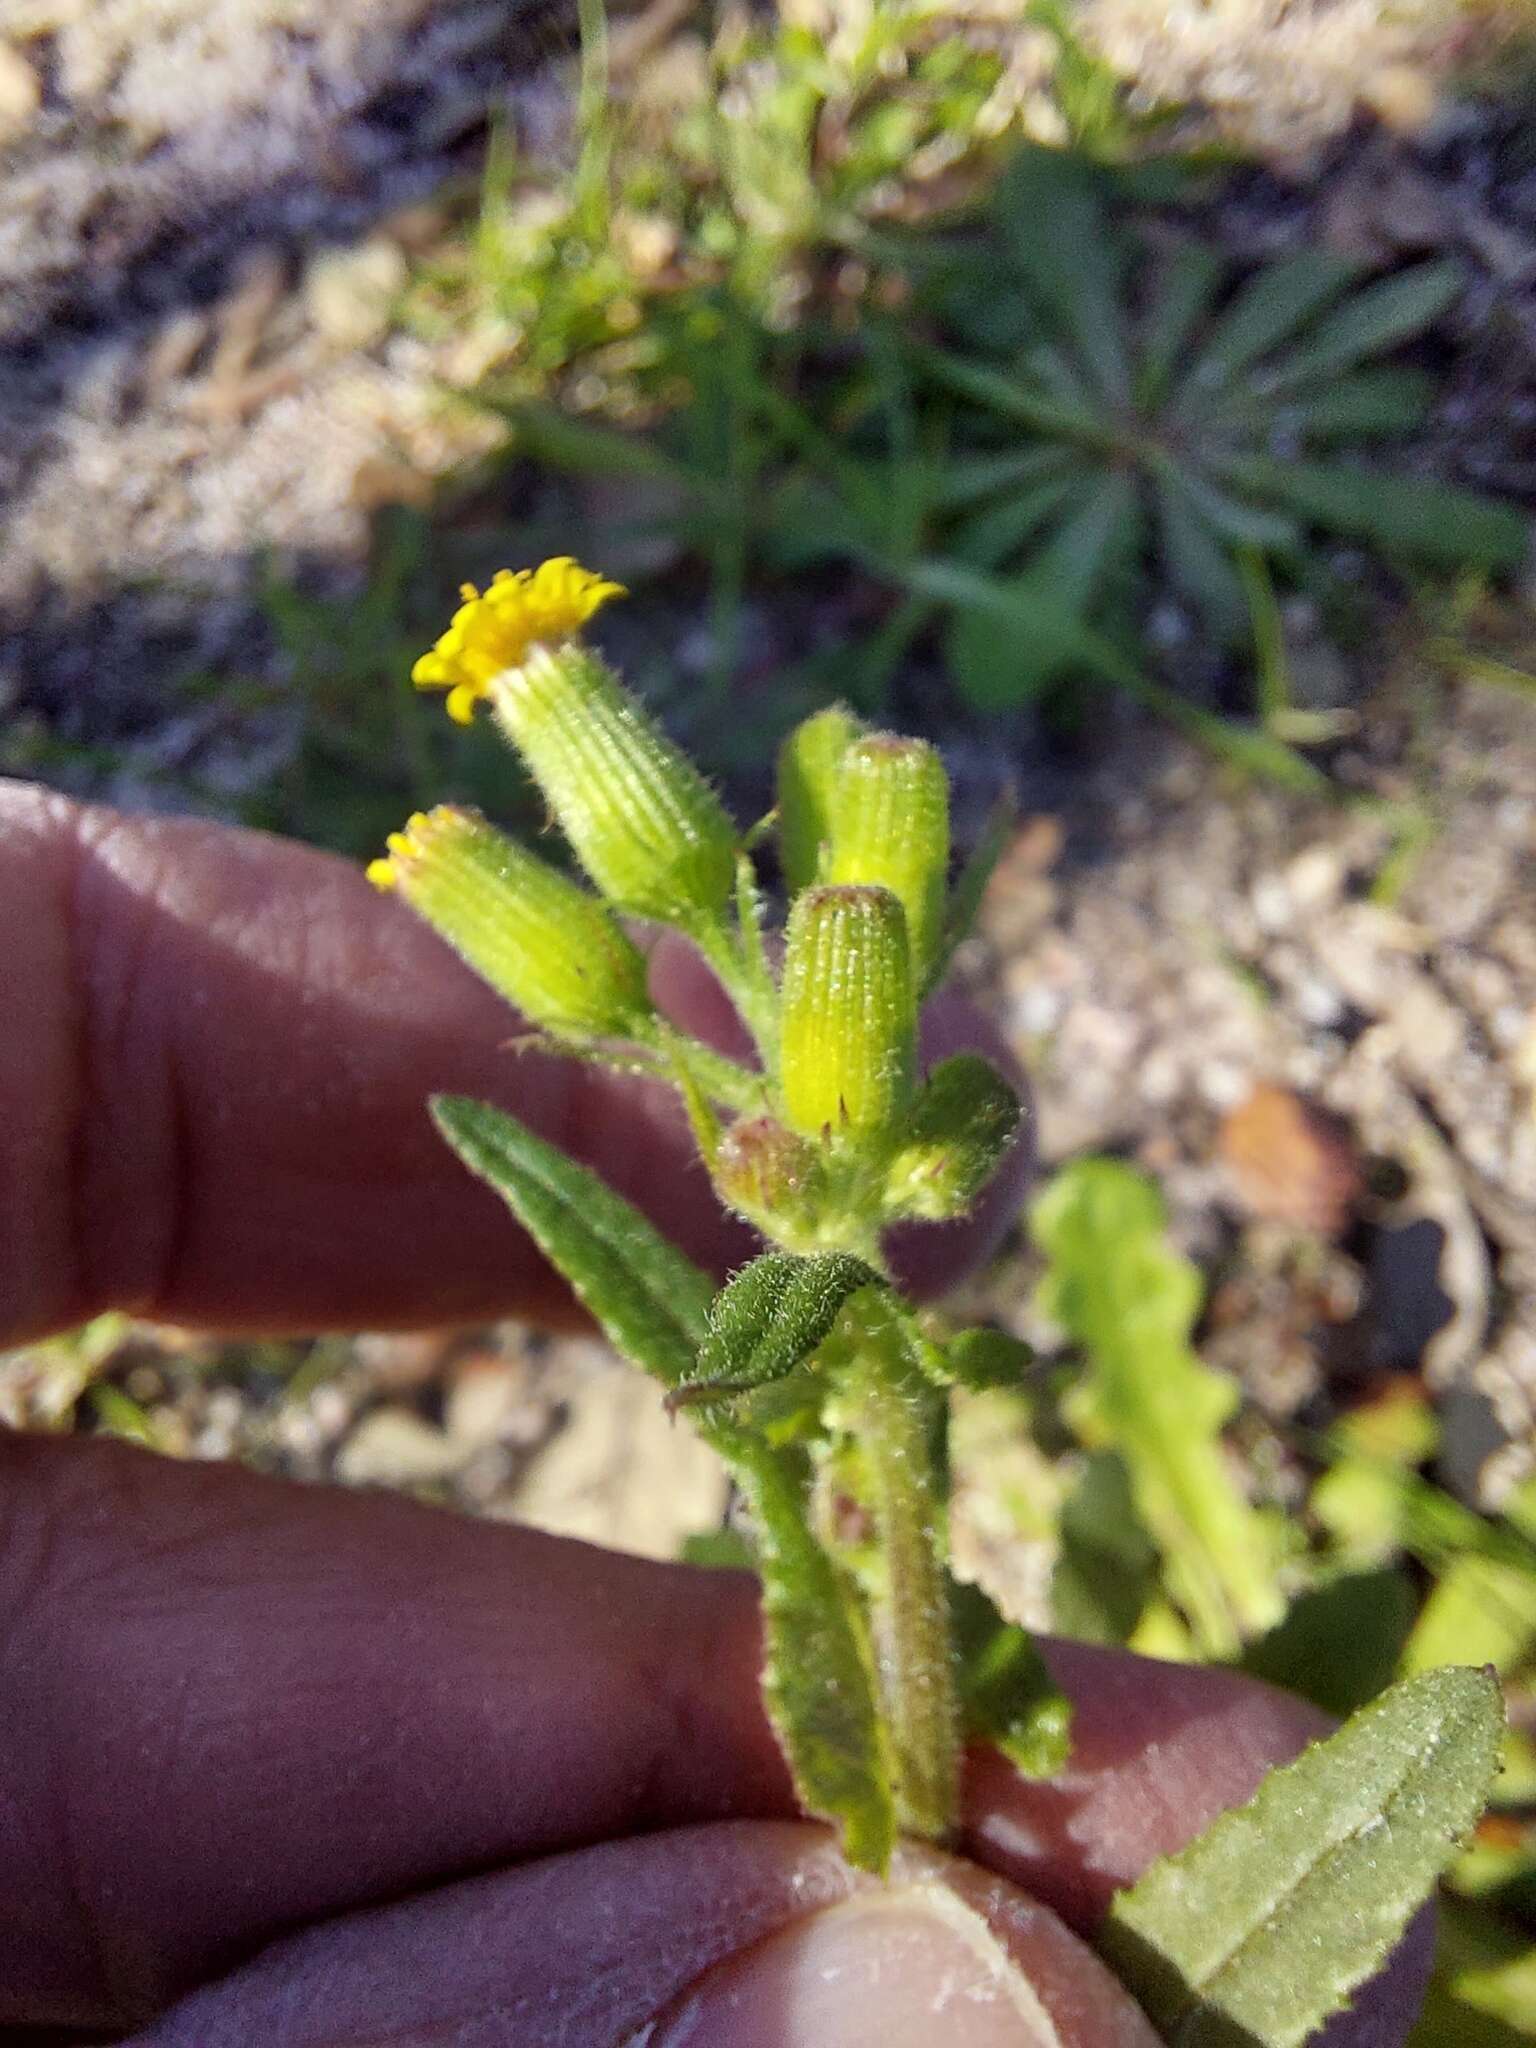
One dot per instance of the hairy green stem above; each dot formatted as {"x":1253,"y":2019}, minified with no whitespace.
{"x":898,"y":1416}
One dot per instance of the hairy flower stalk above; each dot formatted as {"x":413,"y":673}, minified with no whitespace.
{"x":808,"y":1365}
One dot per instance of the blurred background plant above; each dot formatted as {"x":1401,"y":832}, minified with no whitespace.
{"x":1070,"y":382}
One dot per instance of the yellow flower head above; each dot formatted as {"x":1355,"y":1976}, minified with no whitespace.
{"x":493,"y":632}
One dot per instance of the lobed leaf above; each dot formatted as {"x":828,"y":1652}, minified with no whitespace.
{"x":1106,"y":1571}
{"x":1265,"y":1924}
{"x":1122,"y":1292}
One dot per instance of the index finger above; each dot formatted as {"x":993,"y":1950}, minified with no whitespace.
{"x":215,"y":1053}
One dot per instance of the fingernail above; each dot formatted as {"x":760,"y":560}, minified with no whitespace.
{"x":904,"y":1969}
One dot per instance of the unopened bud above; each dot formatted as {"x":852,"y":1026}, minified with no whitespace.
{"x":537,"y":937}
{"x":889,"y":823}
{"x":953,"y":1141}
{"x":849,"y":1017}
{"x":765,"y":1172}
{"x":808,"y":765}
{"x":641,"y":819}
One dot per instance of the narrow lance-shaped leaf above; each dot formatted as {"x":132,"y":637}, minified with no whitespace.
{"x":1052,"y":212}
{"x":650,"y":1300}
{"x":1185,"y":286}
{"x":653,"y":1303}
{"x":1264,"y":1926}
{"x":768,"y":1318}
{"x":1274,"y":304}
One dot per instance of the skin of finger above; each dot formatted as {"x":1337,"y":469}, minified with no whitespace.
{"x":235,"y":1705}
{"x":593,"y":1946}
{"x":215,"y":1054}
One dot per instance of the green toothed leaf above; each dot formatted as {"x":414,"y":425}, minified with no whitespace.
{"x":1121,"y":1291}
{"x":772,"y":1315}
{"x":1267,"y":1923}
{"x":1008,"y":1696}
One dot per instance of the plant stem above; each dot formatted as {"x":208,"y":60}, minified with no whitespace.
{"x":899,"y":1416}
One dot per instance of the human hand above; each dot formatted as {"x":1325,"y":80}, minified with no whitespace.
{"x":239,"y":1710}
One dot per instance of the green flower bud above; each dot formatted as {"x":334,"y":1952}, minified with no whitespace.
{"x":808,"y":763}
{"x":766,"y":1173}
{"x":641,"y":819}
{"x":849,"y":1015}
{"x":889,"y":823}
{"x":953,"y":1140}
{"x":537,"y":938}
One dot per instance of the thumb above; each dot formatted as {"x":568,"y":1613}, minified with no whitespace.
{"x":740,"y":1934}
{"x":916,"y":1965}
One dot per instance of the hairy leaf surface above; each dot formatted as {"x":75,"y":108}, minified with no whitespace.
{"x":1264,"y":1926}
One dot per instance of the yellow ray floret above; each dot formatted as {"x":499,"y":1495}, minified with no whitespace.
{"x":494,"y":631}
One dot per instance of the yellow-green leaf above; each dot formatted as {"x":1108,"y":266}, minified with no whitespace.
{"x":1268,"y":1922}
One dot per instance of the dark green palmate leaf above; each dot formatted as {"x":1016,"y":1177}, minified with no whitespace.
{"x":768,"y":1318}
{"x":1185,"y":286}
{"x":1053,"y":216}
{"x":1267,"y":1923}
{"x":1370,"y":322}
{"x":653,"y":1304}
{"x":995,"y":668}
{"x":1432,"y":522}
{"x":1275,"y":303}
{"x":1008,"y":1696}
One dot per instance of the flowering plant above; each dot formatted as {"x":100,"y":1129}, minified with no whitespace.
{"x":821,"y":1385}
